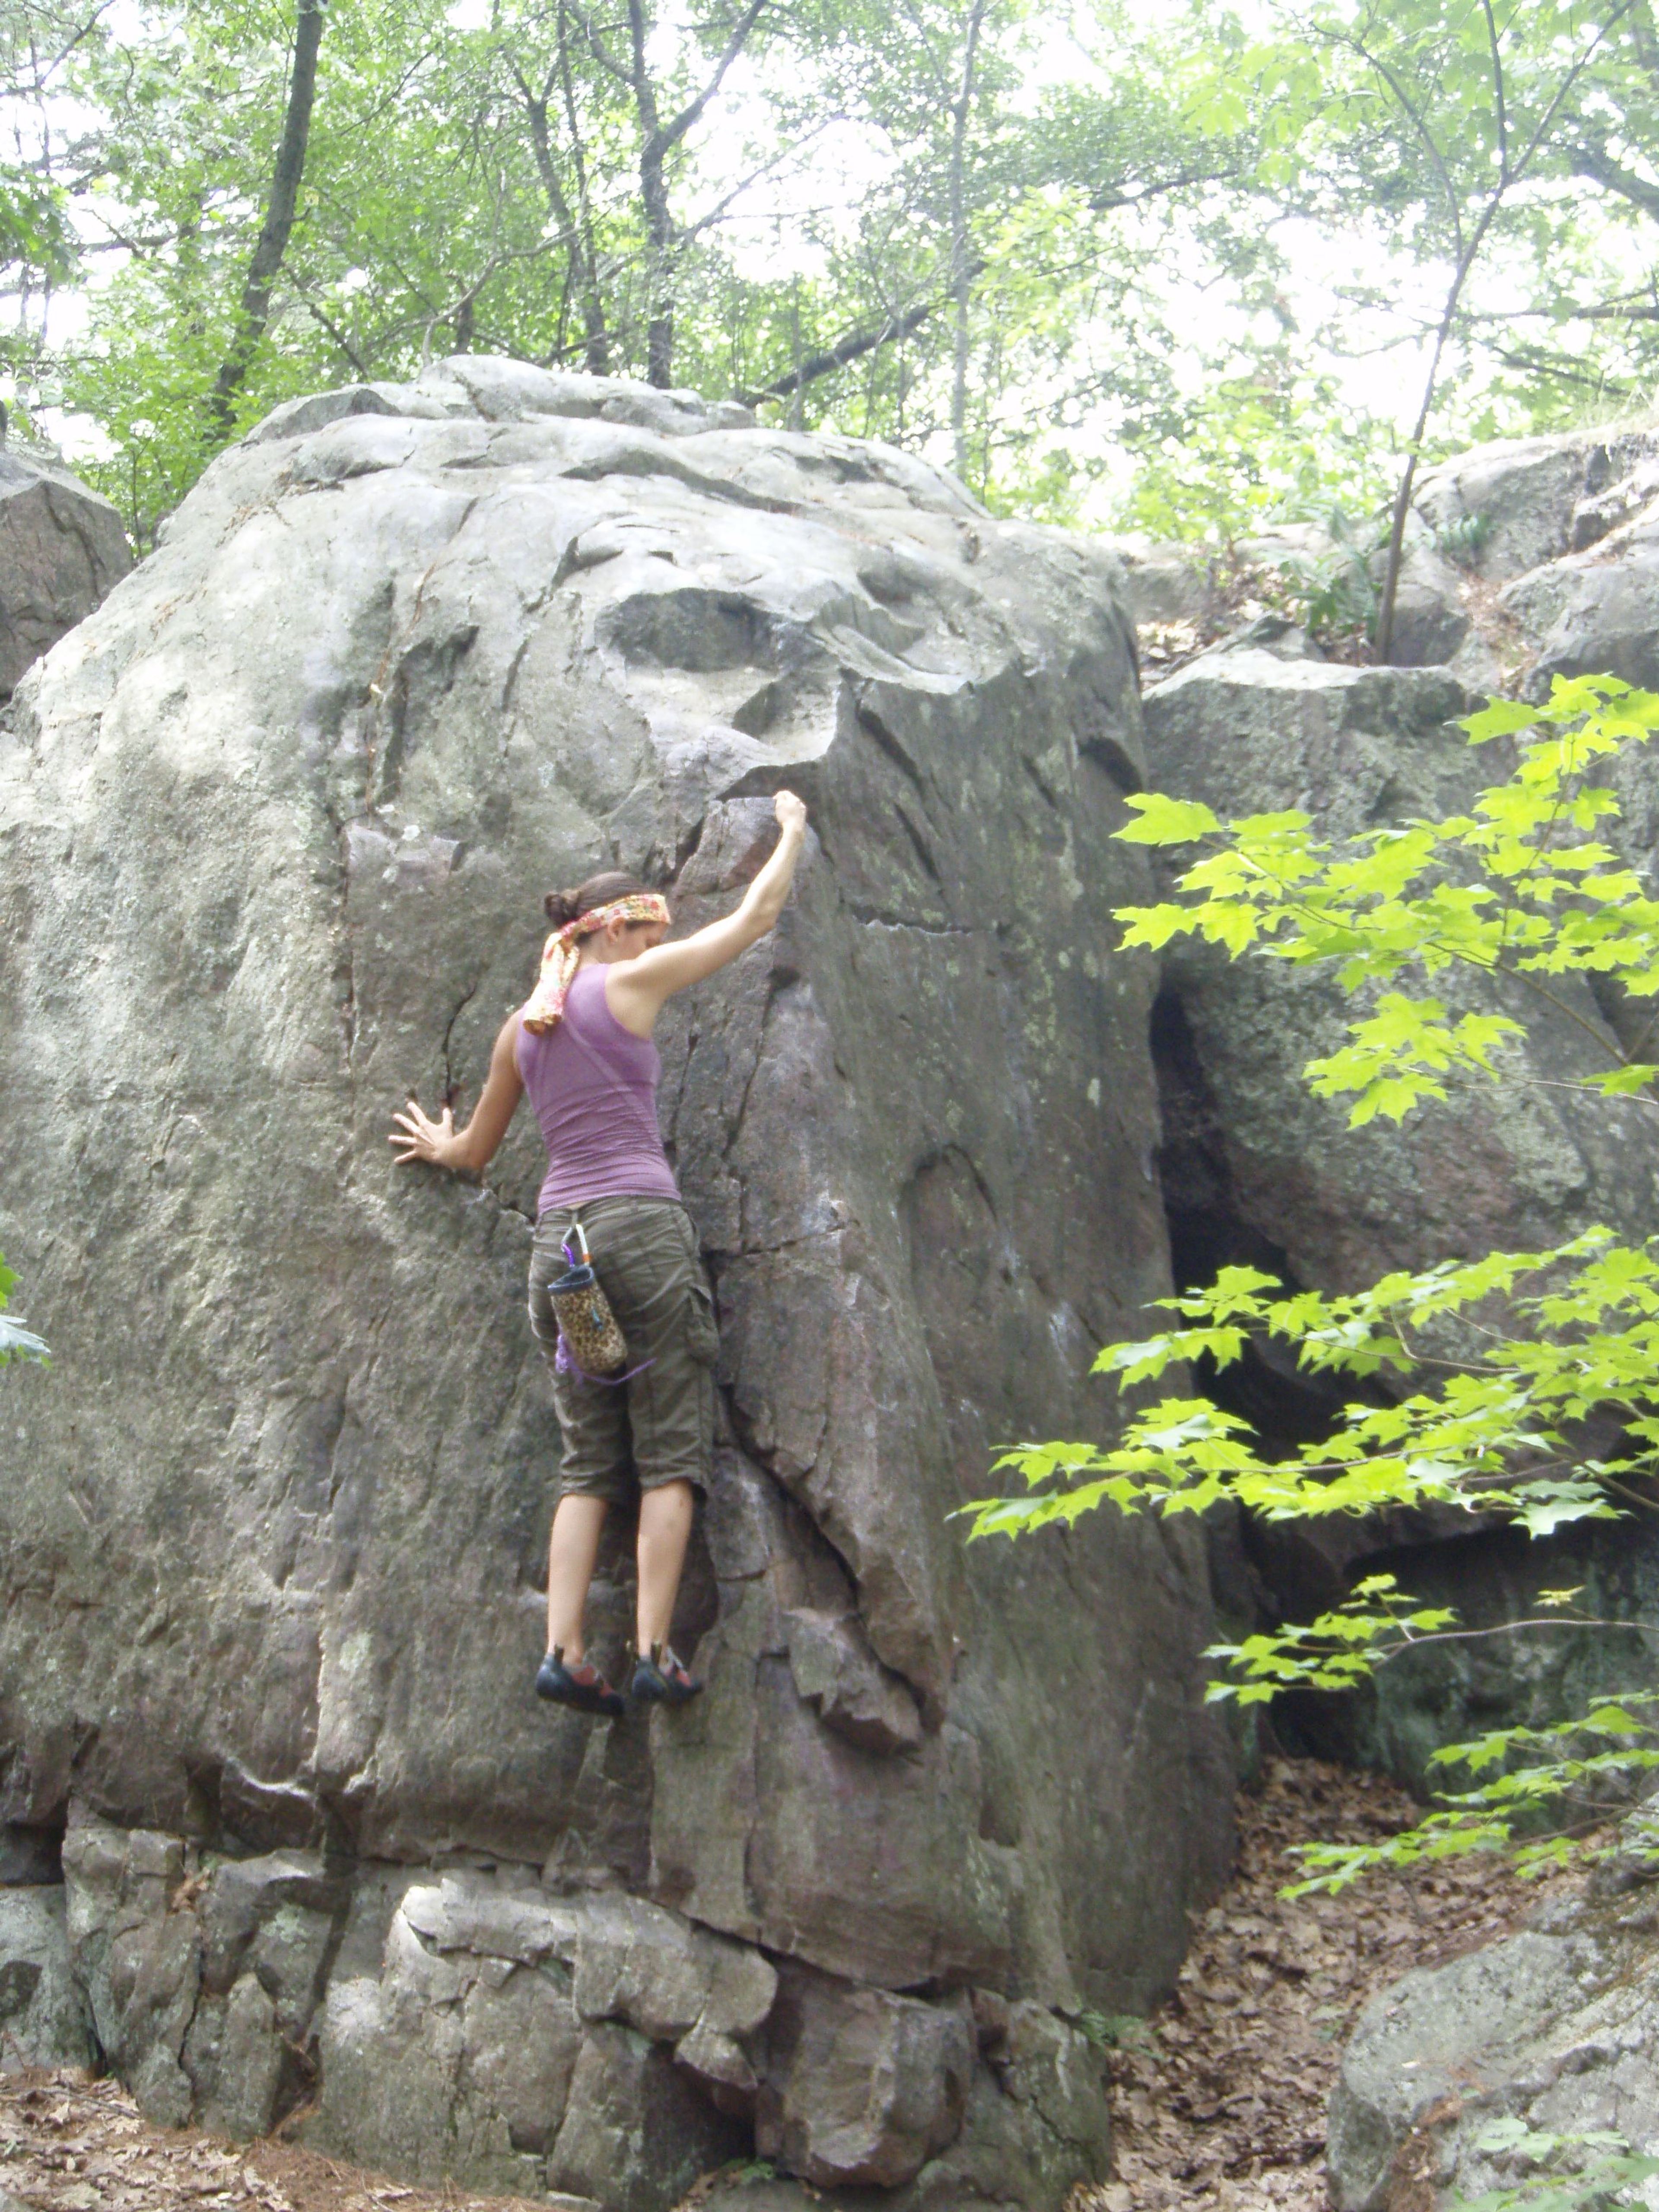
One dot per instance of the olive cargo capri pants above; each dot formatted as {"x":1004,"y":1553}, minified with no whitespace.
{"x":658,"y":1425}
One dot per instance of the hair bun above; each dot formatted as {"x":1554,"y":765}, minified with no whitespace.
{"x":562,"y":907}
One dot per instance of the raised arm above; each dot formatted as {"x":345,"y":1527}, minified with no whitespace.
{"x":634,"y":990}
{"x":471,"y":1149}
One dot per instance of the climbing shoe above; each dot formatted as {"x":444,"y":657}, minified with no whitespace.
{"x":661,"y":1680}
{"x":580,"y":1684}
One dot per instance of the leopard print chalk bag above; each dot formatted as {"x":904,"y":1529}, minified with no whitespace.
{"x":591,"y":1341}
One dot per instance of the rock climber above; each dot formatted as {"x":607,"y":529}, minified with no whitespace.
{"x":581,"y":1045}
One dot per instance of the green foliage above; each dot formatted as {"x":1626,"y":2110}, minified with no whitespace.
{"x":1578,"y":1773}
{"x":1114,"y":2030}
{"x":478,"y":185}
{"x":1520,"y":1384}
{"x":1262,"y":442}
{"x":1563,"y":2178}
{"x":474,"y":181}
{"x":1333,"y":1652}
{"x":1541,"y":1785}
{"x":16,"y":1342}
{"x":1331,"y":591}
{"x":1519,"y":890}
{"x":1461,"y":537}
{"x":34,"y":233}
{"x":1499,"y":1434}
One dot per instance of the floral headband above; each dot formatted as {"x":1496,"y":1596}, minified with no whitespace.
{"x":560,"y":955}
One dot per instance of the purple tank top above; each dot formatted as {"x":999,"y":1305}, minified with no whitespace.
{"x":594,"y":1085}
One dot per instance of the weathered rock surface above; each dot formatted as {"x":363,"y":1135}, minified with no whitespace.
{"x":1550,"y":546}
{"x":62,"y":547}
{"x":1558,"y":2026}
{"x":1555,"y":540}
{"x":276,"y":824}
{"x":42,"y":2013}
{"x":1255,"y":1168}
{"x":1257,"y":1156}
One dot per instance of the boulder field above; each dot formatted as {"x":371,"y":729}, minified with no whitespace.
{"x":286,"y":1833}
{"x":1528,"y":560}
{"x":289,"y":1826}
{"x":1535,"y":553}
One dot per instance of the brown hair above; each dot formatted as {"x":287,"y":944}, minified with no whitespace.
{"x":561,"y":907}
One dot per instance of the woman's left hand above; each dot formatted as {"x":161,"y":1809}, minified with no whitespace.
{"x":422,"y":1139}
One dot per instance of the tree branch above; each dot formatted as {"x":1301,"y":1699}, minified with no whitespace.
{"x":1107,"y":201}
{"x":271,"y":245}
{"x":1595,"y":163}
{"x":671,"y":133}
{"x":851,"y":347}
{"x":1497,"y":91}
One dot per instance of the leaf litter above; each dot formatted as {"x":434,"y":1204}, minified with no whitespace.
{"x":70,"y":2142}
{"x":1218,"y":2103}
{"x":1219,"y":2100}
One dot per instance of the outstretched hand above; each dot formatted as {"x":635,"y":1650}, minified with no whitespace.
{"x":790,"y":811}
{"x":422,"y":1138}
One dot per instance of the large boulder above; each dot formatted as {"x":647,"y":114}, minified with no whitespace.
{"x":276,"y":824}
{"x":1519,"y":503}
{"x":1256,"y":1169}
{"x":43,"y":2012}
{"x":62,"y":547}
{"x":1556,"y":537}
{"x":1254,"y":1157}
{"x":1557,"y":2027}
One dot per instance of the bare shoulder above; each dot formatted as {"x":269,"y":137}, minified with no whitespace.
{"x":507,"y":1038}
{"x":634,"y":994}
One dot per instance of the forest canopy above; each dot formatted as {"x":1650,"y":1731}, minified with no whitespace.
{"x":1179,"y":270}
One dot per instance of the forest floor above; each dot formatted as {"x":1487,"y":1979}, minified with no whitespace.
{"x":1220,"y":2105}
{"x":1219,"y":2101}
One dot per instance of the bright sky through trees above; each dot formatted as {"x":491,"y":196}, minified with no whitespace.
{"x":1124,"y":265}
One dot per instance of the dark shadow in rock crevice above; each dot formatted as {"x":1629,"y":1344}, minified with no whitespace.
{"x":1209,"y":1232}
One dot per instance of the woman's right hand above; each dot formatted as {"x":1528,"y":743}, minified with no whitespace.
{"x":422,"y":1139}
{"x":791,"y":812}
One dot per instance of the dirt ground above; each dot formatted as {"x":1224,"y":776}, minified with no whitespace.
{"x":1219,"y":2101}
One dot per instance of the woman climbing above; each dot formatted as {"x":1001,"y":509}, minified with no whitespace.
{"x":581,"y":1045}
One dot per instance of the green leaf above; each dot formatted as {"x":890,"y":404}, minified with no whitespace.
{"x":1161,"y":820}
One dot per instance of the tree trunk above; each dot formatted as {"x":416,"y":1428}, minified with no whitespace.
{"x":961,"y":263}
{"x":577,"y":247}
{"x":255,"y":310}
{"x":1402,"y":502}
{"x":597,"y":348}
{"x":660,"y":247}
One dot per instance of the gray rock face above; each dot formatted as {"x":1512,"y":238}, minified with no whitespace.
{"x":533,"y":2040}
{"x":277,"y":820}
{"x":1518,"y":503}
{"x":43,"y":2015}
{"x":1255,"y":1168}
{"x":1558,"y":2027}
{"x":1431,"y":621}
{"x":1512,"y":1164}
{"x":62,"y":547}
{"x":864,"y":2086}
{"x":1566,"y":528}
{"x":1168,"y":583}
